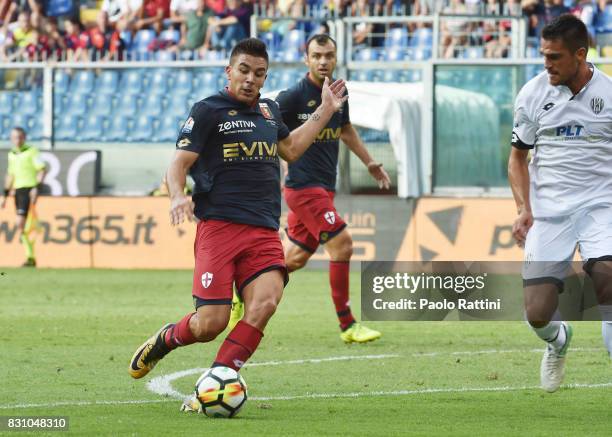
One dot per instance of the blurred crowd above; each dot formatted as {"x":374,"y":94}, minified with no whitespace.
{"x":167,"y":29}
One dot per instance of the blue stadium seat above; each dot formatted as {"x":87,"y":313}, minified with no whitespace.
{"x":291,"y":54}
{"x":422,"y":37}
{"x":397,"y":37}
{"x":29,"y":102}
{"x":367,"y":54}
{"x":214,"y":55}
{"x":61,"y":80}
{"x":140,"y":45}
{"x":391,"y":75}
{"x":102,"y":104}
{"x":56,"y":8}
{"x":22,"y":120}
{"x":170,"y":35}
{"x":420,"y":54}
{"x":118,"y":128}
{"x":178,"y":106}
{"x":272,"y":40}
{"x":165,"y":56}
{"x":107,"y":82}
{"x":143,"y":128}
{"x":158,"y":82}
{"x":473,"y":53}
{"x":363,"y":75}
{"x":94,"y":128}
{"x":36,"y":128}
{"x":168,"y":129}
{"x":152,"y":105}
{"x":5,"y":127}
{"x":67,"y":127}
{"x":7,"y":102}
{"x":604,"y":20}
{"x":183,"y":83}
{"x":77,"y":103}
{"x":295,"y":39}
{"x":126,"y":105}
{"x":131,"y":82}
{"x":394,"y":54}
{"x":82,"y":82}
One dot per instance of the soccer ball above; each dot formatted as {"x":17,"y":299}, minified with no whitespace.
{"x":221,"y":392}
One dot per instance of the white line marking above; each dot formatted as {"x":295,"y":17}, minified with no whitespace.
{"x":171,"y":395}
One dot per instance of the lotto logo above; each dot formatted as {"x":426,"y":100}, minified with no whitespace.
{"x":207,"y":278}
{"x":330,"y":217}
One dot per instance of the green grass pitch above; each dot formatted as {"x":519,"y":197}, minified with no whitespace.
{"x":68,"y":335}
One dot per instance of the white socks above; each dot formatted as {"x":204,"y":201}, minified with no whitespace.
{"x":606,"y":326}
{"x":553,"y":333}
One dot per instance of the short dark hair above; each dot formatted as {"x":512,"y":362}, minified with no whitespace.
{"x":20,"y":130}
{"x":569,"y":29}
{"x":250,"y":46}
{"x":321,"y":39}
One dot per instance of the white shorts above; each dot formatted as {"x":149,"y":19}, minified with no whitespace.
{"x":551,"y":243}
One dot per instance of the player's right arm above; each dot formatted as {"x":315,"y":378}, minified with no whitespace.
{"x":8,"y":182}
{"x":523,"y":140}
{"x":181,"y":205}
{"x":189,"y":144}
{"x":332,"y":98}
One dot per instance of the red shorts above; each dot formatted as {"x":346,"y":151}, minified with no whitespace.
{"x":231,"y":253}
{"x":312,"y":218}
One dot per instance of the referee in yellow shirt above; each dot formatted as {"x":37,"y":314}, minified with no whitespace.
{"x":24,"y":174}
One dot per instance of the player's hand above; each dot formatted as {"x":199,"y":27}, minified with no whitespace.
{"x":378,"y":172}
{"x":521,"y":226}
{"x":3,"y":202}
{"x":34,"y":195}
{"x":333,"y":95}
{"x":181,"y":209}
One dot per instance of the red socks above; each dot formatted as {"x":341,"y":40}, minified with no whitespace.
{"x":238,"y":346}
{"x":339,"y":281}
{"x":180,"y":334}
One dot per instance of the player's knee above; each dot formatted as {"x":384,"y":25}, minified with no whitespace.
{"x":536,"y":315}
{"x":207,"y":329}
{"x":343,"y":250}
{"x":263,"y":308}
{"x":295,"y":261}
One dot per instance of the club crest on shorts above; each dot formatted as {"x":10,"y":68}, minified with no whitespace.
{"x":330,"y":217}
{"x":265,"y":110}
{"x":207,"y":278}
{"x":597,"y":104}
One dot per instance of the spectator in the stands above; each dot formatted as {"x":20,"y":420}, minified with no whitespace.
{"x":216,"y":6}
{"x":548,"y":11}
{"x":8,"y":8}
{"x":499,"y":45}
{"x":21,"y":34}
{"x":193,"y":23}
{"x":106,"y":42}
{"x":77,"y":41}
{"x":454,"y":30}
{"x":120,"y":14}
{"x":366,"y":33}
{"x":530,"y":10}
{"x":232,"y":25}
{"x":152,"y":15}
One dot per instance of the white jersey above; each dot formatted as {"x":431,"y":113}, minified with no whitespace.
{"x":571,"y":166}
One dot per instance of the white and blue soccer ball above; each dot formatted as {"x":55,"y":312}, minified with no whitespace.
{"x":221,"y":392}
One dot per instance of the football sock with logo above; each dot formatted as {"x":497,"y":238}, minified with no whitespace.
{"x":238,"y":346}
{"x":180,"y":334}
{"x":28,"y":246}
{"x":553,"y":333}
{"x":606,"y":326}
{"x":339,"y":282}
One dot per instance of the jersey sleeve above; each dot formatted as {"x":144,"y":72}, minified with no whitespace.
{"x":37,"y":162}
{"x":525,"y":127}
{"x":196,"y":129}
{"x":283,"y":130}
{"x":10,"y":169}
{"x":286,"y":104}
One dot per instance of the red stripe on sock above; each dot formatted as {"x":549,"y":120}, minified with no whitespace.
{"x":238,"y":346}
{"x":180,"y":334}
{"x":339,"y":282}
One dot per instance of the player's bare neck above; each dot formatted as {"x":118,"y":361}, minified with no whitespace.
{"x":316,"y":81}
{"x":583,"y":77}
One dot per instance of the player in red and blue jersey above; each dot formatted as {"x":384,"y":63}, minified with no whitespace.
{"x":311,"y":183}
{"x":230,"y":145}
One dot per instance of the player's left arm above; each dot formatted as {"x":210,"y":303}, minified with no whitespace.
{"x":350,"y":137}
{"x":291,"y":147}
{"x":41,"y":172}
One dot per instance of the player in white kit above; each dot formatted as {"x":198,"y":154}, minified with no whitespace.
{"x":564,"y":194}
